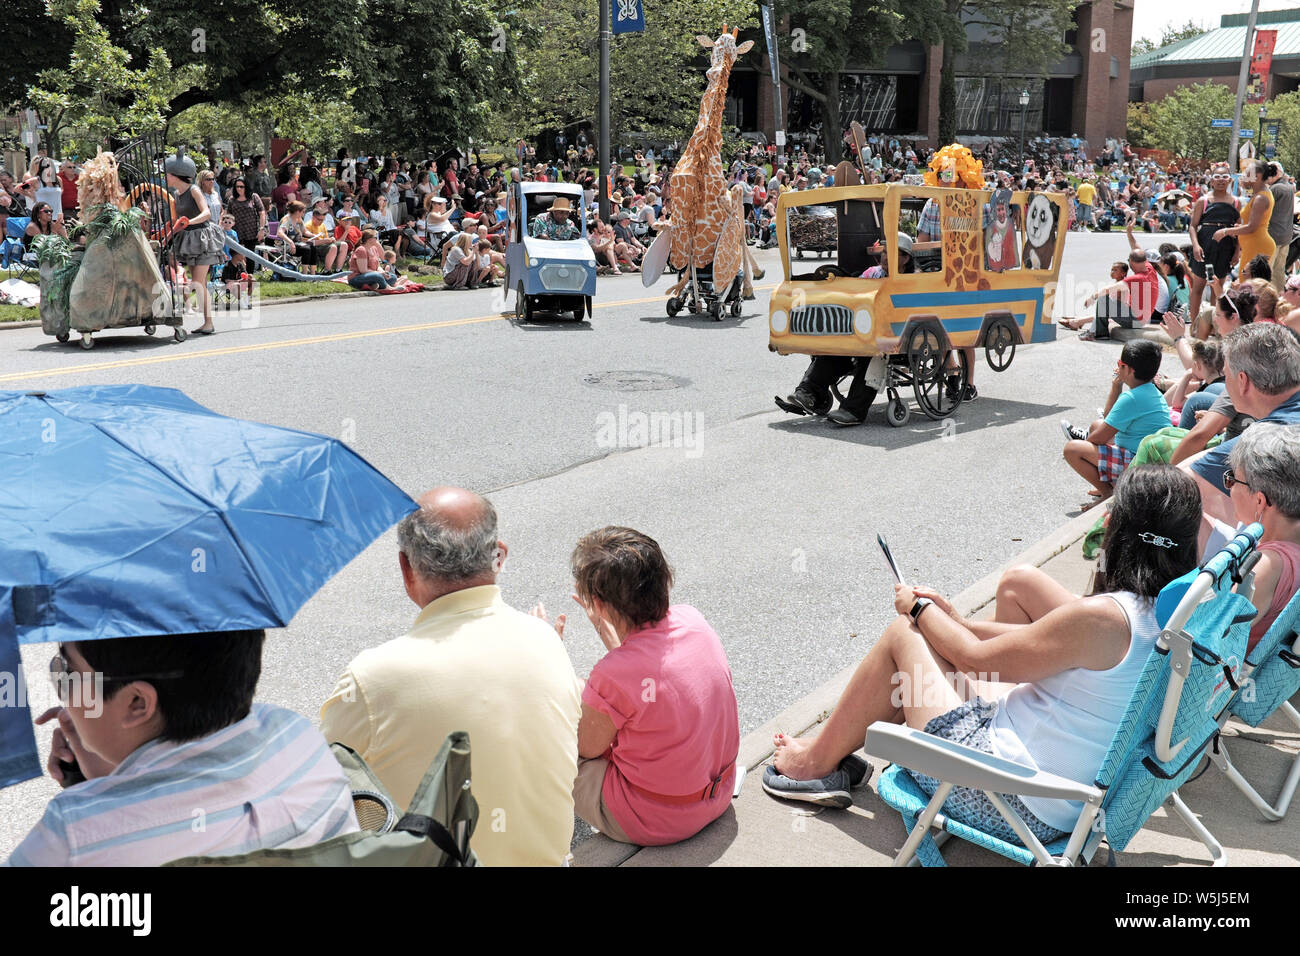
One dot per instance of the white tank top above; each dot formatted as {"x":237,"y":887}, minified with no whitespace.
{"x":1064,"y":724}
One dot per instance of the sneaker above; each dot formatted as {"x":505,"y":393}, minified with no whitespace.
{"x":830,"y":791}
{"x":859,"y":770}
{"x":970,"y":394}
{"x":810,"y":403}
{"x":1073,"y":432}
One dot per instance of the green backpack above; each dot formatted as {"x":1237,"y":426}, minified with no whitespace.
{"x":435,"y":830}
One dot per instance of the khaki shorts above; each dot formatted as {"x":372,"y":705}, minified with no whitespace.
{"x":1278,"y":264}
{"x":587,"y":801}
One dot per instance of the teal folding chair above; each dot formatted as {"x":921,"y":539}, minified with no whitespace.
{"x":1171,"y":719}
{"x":1270,"y":678}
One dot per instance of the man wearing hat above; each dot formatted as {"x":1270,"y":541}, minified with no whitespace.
{"x":441,"y":229}
{"x":556,"y":224}
{"x":1281,"y":224}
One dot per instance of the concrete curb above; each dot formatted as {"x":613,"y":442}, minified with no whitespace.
{"x":756,"y":746}
{"x":813,"y":708}
{"x":23,"y":324}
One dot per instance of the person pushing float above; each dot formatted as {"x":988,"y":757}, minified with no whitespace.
{"x":924,"y":275}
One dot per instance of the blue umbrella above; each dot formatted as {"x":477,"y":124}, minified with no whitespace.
{"x":128,"y":510}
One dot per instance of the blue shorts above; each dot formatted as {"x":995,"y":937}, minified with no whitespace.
{"x":968,"y":724}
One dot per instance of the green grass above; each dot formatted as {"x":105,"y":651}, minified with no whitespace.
{"x":18,"y":313}
{"x":283,"y":290}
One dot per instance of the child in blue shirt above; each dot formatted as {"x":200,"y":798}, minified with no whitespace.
{"x":1101,"y":454}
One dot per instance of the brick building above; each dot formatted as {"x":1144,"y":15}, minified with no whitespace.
{"x":1085,"y":93}
{"x":1216,"y":56}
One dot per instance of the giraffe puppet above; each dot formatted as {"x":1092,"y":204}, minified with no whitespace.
{"x":707,"y":220}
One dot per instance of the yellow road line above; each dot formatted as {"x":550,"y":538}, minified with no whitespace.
{"x":290,"y":343}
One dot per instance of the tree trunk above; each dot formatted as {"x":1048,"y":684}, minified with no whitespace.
{"x":947,"y":97}
{"x":832,"y":133}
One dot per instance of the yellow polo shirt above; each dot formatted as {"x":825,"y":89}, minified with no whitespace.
{"x":1087,"y":193}
{"x":471,"y":662}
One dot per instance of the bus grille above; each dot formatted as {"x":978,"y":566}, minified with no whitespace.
{"x":821,"y":320}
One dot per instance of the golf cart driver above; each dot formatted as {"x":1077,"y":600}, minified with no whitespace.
{"x":556,"y":223}
{"x":813,"y":395}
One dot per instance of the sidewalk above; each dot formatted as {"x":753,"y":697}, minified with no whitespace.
{"x":759,"y":830}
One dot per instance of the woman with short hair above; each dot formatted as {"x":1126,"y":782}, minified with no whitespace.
{"x":660,"y":729}
{"x":1263,"y":482}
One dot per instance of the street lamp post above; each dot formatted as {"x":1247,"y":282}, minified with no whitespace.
{"x":1024,"y":108}
{"x":1259,"y":141}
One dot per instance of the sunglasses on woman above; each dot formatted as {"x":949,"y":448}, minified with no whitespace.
{"x":1230,"y":479}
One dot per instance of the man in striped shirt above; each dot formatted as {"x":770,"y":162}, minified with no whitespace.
{"x":180,"y":760}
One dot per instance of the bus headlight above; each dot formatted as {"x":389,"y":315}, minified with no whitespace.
{"x":862,"y":322}
{"x":779,"y":321}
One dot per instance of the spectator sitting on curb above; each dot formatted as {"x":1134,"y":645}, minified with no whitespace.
{"x":1129,"y":417}
{"x":1210,"y":416}
{"x":469,"y":662}
{"x":1261,"y":374}
{"x":161,"y":725}
{"x":1044,"y":684}
{"x":1264,"y":485}
{"x":660,"y":732}
{"x":1129,"y":301}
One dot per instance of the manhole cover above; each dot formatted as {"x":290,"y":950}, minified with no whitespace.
{"x":625,"y":381}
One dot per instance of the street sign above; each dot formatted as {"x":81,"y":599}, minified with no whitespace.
{"x":1246,"y":134}
{"x":1220,"y":124}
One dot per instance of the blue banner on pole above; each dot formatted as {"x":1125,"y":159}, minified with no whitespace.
{"x":769,"y":31}
{"x":629,"y":16}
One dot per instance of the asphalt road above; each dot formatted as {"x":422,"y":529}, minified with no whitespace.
{"x":768,"y":520}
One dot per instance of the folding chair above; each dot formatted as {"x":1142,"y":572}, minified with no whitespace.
{"x":1170,"y":720}
{"x":1270,"y":678}
{"x":277,"y":250}
{"x":13,"y":253}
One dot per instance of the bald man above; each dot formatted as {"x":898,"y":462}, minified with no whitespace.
{"x":469,"y":662}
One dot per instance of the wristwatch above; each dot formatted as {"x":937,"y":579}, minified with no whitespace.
{"x":920,"y":605}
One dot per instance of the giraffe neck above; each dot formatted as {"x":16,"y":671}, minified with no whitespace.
{"x":708,"y":131}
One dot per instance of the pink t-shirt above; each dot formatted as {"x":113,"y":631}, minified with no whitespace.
{"x":668,"y":690}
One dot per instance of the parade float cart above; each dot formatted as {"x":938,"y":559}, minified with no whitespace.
{"x":812,"y":228}
{"x":117,"y":271}
{"x":984,"y":284}
{"x":548,"y":275}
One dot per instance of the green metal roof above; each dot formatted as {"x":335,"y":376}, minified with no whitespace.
{"x":1222,"y":44}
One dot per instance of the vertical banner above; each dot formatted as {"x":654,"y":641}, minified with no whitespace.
{"x":1272,"y":130}
{"x":1261,"y":62}
{"x":769,"y":31}
{"x":629,"y":16}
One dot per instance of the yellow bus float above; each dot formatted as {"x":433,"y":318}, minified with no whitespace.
{"x":985,"y":281}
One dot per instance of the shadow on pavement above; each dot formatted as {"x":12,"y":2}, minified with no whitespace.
{"x":981,"y":414}
{"x":127,"y":340}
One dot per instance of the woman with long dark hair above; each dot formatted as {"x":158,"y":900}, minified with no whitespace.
{"x":1044,"y":684}
{"x":43,"y":223}
{"x":249,"y":213}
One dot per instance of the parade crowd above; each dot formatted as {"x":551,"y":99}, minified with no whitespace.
{"x":645,"y":748}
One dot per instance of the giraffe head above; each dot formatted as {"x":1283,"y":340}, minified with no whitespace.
{"x":725,"y":50}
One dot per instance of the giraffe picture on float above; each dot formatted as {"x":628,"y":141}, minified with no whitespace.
{"x":706,"y":223}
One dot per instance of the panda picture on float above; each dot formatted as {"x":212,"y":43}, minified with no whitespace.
{"x":1040,"y":233}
